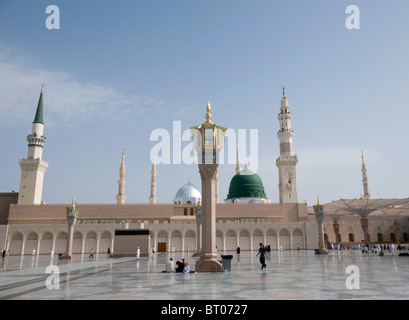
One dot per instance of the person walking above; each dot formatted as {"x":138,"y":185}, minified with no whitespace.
{"x":262,"y":254}
{"x":138,"y":253}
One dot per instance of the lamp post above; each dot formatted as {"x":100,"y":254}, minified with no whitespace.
{"x":319,"y":215}
{"x":364,"y":225}
{"x":199,"y":227}
{"x":72,"y":214}
{"x":208,"y":141}
{"x":336,"y":231}
{"x":396,"y":228}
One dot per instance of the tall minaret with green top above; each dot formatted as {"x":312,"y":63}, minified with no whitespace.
{"x":33,"y":168}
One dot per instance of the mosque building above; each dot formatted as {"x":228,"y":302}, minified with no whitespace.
{"x":245,"y":218}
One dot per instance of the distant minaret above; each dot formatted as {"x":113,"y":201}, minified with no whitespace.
{"x":365,"y":179}
{"x":33,"y":168}
{"x":120,"y":198}
{"x":287,"y":161}
{"x":152,"y":198}
{"x":237,"y":162}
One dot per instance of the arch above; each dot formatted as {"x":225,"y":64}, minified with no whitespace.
{"x":162,"y":241}
{"x":220,"y":240}
{"x":61,"y":242}
{"x":91,"y":235}
{"x":31,"y":243}
{"x":77,"y":235}
{"x":190,"y":240}
{"x":91,"y":241}
{"x":62,"y":235}
{"x":77,"y":242}
{"x":176,"y":240}
{"x":106,"y":235}
{"x":258,"y":237}
{"x":244,"y":240}
{"x":17,"y":236}
{"x":32,"y":236}
{"x":285,"y":239}
{"x":16,"y":243}
{"x":105,"y":241}
{"x":46,"y":243}
{"x":231,"y":240}
{"x":47,"y":236}
{"x":163,"y":234}
{"x":272,"y":239}
{"x":298,"y":238}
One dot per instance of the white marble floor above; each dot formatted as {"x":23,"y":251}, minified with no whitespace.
{"x":294,"y":275}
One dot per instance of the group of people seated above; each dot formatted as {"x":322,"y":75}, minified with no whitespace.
{"x":179,"y":266}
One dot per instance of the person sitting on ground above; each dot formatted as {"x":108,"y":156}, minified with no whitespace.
{"x":180,"y":265}
{"x":186,"y":268}
{"x":170,"y":266}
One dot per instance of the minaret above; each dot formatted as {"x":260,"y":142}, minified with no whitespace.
{"x":287,"y":161}
{"x":237,"y":162}
{"x":120,"y":198}
{"x":365,"y":179}
{"x":217,"y":188}
{"x":152,"y":198}
{"x":33,"y":168}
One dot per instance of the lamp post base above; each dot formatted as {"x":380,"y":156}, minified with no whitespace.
{"x":209,"y":265}
{"x":66,"y":257}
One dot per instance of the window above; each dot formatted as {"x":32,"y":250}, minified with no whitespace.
{"x":351,"y":237}
{"x":191,"y":211}
{"x":393,"y":237}
{"x":380,"y":237}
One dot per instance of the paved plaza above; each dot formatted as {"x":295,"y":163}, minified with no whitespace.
{"x":299,"y":275}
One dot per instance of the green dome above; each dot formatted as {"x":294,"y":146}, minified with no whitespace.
{"x":246,"y":184}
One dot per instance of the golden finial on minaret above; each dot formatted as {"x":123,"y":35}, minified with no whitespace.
{"x":73,"y":201}
{"x":318,"y":199}
{"x":208,"y":115}
{"x":283,"y":91}
{"x":42,"y":87}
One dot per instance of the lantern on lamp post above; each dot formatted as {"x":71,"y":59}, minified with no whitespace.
{"x":319,"y":215}
{"x":72,"y":215}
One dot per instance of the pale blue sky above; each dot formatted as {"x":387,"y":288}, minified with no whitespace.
{"x":117,"y":70}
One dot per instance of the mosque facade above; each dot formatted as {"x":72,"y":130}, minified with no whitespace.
{"x":245,"y":218}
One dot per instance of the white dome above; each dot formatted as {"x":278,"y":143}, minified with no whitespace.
{"x":187,"y":194}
